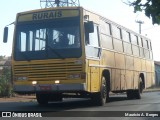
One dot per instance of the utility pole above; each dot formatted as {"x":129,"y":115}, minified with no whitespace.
{"x":140,"y":23}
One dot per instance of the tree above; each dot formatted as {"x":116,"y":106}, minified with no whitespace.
{"x":1,"y":57}
{"x":150,"y":7}
{"x":5,"y":84}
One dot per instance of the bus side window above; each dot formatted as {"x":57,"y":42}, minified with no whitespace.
{"x":92,"y":43}
{"x":134,"y":39}
{"x":92,"y":38}
{"x":145,"y":44}
{"x":146,"y":49}
{"x":127,"y":42}
{"x":106,"y":28}
{"x":150,"y":46}
{"x":117,"y":32}
{"x":139,"y":41}
{"x":126,"y":36}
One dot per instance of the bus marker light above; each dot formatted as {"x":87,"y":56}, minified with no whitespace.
{"x":21,"y":78}
{"x":78,"y":62}
{"x":74,"y":76}
{"x":57,"y":82}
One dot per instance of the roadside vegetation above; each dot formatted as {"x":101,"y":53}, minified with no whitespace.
{"x":5,"y":83}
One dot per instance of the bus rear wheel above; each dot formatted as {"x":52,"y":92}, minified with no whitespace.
{"x":100,"y":97}
{"x":131,"y":94}
{"x":139,"y":91}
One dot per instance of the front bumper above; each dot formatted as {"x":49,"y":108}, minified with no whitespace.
{"x":49,"y":88}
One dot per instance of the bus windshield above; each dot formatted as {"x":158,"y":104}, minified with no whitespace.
{"x":47,"y":40}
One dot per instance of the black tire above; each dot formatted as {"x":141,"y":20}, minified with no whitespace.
{"x":56,"y":97}
{"x":130,"y":94}
{"x":142,"y":86}
{"x":140,"y":89}
{"x":42,"y":99}
{"x":100,"y":97}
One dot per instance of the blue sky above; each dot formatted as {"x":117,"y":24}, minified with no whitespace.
{"x":112,"y":9}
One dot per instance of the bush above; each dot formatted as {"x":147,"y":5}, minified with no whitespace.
{"x":5,"y":83}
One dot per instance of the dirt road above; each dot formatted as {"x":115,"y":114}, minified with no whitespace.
{"x":19,"y":98}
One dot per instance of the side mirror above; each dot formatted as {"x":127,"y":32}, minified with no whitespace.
{"x":89,"y":26}
{"x":5,"y":35}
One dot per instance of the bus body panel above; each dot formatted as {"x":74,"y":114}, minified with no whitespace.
{"x":122,"y":59}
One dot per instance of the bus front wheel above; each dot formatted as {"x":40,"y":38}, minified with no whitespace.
{"x":100,"y":97}
{"x":42,"y":99}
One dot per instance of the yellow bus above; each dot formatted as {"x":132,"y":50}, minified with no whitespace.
{"x":70,"y":51}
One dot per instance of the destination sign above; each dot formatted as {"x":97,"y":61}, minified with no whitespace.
{"x":46,"y":15}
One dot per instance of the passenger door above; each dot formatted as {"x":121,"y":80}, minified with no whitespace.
{"x":93,"y":52}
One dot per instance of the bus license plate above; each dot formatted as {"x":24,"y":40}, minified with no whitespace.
{"x":45,"y":87}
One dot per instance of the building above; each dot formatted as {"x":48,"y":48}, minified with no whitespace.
{"x":157,"y":73}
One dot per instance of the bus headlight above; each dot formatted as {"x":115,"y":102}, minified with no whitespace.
{"x":34,"y":82}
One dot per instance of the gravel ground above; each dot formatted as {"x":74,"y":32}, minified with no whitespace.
{"x":19,"y":98}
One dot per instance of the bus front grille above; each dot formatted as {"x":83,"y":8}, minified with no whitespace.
{"x":47,"y":71}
